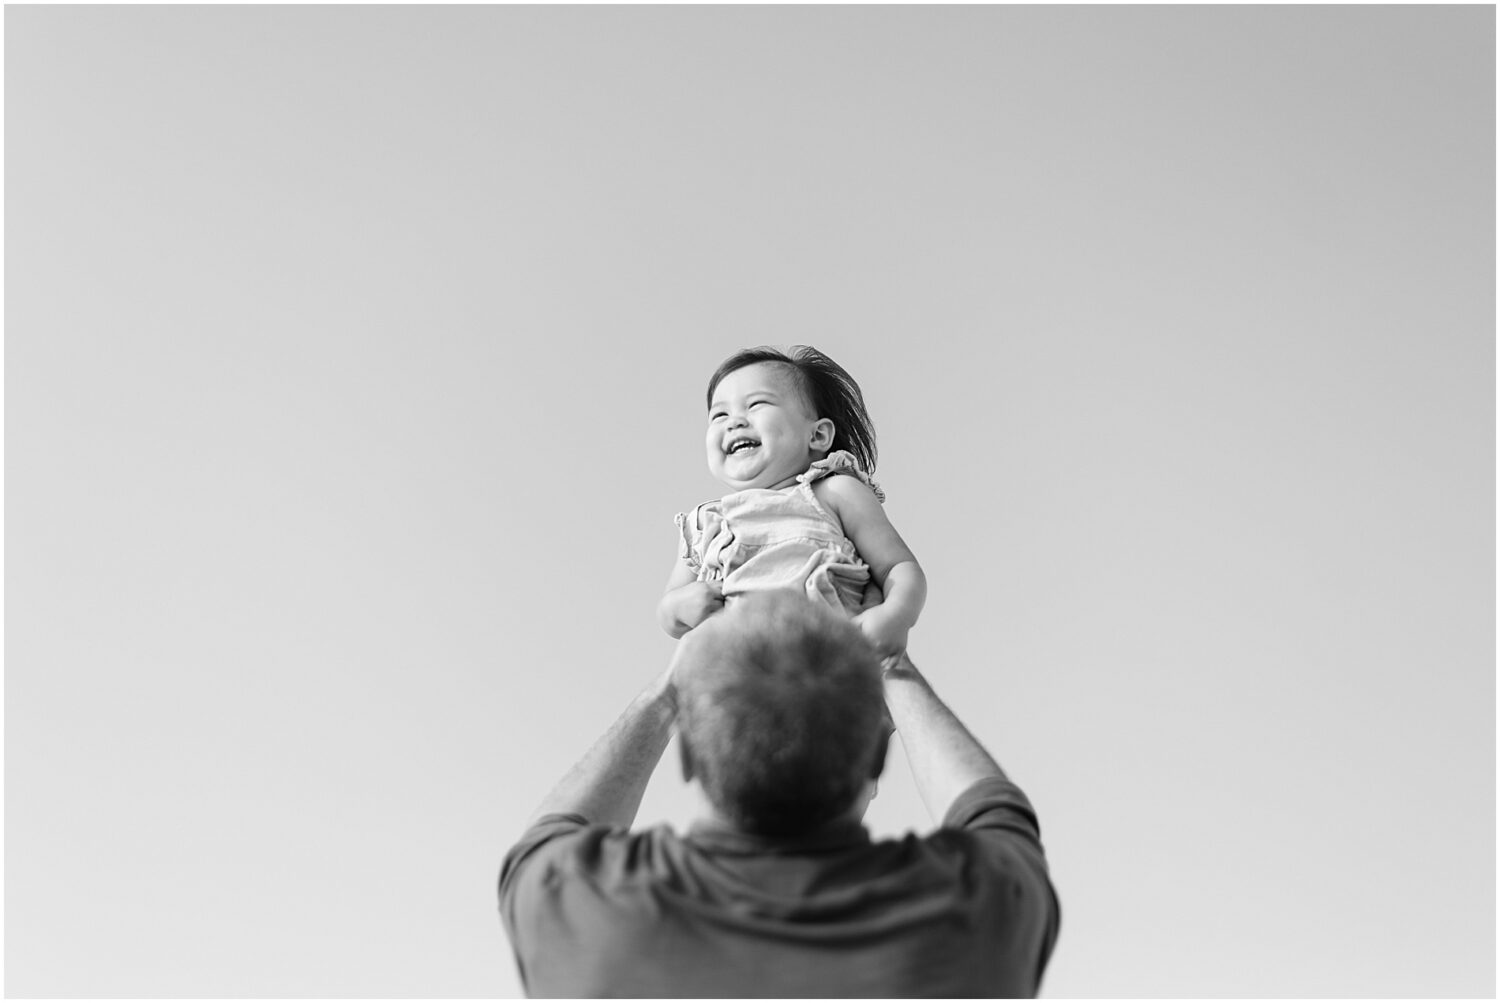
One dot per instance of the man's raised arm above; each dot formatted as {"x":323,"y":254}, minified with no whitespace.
{"x":945,"y":758}
{"x":606,"y":785}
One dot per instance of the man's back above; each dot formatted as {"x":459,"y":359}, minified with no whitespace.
{"x":966,"y":911}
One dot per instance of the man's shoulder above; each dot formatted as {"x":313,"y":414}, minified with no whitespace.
{"x":579,"y":835}
{"x":570,"y":845}
{"x":993,"y":803}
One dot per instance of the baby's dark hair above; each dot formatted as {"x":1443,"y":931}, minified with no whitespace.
{"x":830,"y":391}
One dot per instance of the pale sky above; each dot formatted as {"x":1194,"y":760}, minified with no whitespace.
{"x":355,"y":361}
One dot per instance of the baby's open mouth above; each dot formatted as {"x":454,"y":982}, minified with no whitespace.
{"x":739,"y":445}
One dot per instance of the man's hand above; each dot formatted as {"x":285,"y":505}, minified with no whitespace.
{"x":896,"y":667}
{"x":886,"y":632}
{"x":684,"y":608}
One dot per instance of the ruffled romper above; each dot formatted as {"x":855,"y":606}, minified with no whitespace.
{"x":765,"y":539}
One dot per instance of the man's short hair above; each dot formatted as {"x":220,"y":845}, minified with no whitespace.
{"x":781,"y":712}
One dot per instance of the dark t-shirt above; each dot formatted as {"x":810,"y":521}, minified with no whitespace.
{"x":965,"y":911}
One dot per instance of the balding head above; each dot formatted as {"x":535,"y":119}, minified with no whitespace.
{"x":780,"y":712}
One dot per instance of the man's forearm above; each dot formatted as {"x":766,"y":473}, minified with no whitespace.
{"x":945,"y":758}
{"x":606,"y":785}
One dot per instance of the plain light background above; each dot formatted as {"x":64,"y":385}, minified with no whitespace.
{"x":354,"y":366}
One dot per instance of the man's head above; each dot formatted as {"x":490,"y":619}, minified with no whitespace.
{"x":780,"y":712}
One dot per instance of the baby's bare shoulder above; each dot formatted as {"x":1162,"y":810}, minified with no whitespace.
{"x":840,"y":490}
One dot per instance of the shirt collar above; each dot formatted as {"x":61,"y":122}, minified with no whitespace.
{"x":715,"y":835}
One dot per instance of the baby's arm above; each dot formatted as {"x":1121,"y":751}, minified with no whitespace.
{"x":891,"y":561}
{"x":688,"y":602}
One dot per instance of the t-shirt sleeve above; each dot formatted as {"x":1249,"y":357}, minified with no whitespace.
{"x":998,"y":816}
{"x":525,"y":864}
{"x":542,"y":831}
{"x":995,"y":804}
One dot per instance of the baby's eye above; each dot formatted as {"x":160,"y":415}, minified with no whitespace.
{"x":716,"y":416}
{"x":758,"y":403}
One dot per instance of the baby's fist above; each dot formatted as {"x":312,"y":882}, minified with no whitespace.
{"x":699,"y":601}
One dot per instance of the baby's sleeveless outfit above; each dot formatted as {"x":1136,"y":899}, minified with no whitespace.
{"x":765,"y":539}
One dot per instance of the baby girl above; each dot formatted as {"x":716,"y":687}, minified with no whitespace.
{"x":789,"y":435}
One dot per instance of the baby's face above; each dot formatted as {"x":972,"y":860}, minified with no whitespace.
{"x":761,"y":432}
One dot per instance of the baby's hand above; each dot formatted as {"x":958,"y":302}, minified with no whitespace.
{"x":697,"y":601}
{"x":884,"y":631}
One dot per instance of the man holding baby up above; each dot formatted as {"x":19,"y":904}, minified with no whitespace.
{"x":780,"y":892}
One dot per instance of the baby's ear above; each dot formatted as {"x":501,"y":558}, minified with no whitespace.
{"x":823,"y":434}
